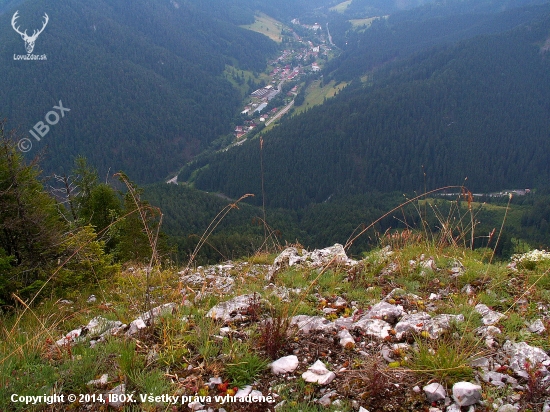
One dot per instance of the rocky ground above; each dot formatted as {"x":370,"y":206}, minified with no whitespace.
{"x":400,"y":330}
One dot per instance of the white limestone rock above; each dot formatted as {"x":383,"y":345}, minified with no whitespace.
{"x":499,"y":379}
{"x":385,"y":311}
{"x":375,"y":328}
{"x":119,"y":390}
{"x":521,"y":352}
{"x":410,"y":323}
{"x":318,"y":373}
{"x":307,"y":324}
{"x":508,"y":408}
{"x":213,"y":283}
{"x":318,"y":258}
{"x":346,"y":340}
{"x":537,"y":327}
{"x":286,"y":364}
{"x":466,"y":393}
{"x":434,"y":392}
{"x":241,"y":393}
{"x":440,"y":323}
{"x":99,"y":383}
{"x":489,"y":316}
{"x":230,"y":311}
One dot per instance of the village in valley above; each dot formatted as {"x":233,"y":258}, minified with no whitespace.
{"x":306,"y":49}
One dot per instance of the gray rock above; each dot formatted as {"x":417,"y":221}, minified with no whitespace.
{"x":453,"y":408}
{"x":135,"y":326}
{"x":318,"y":258}
{"x":119,"y":390}
{"x":521,"y":352}
{"x":499,"y":379}
{"x":457,"y":269}
{"x":508,"y":408}
{"x":440,"y":323}
{"x":212,"y":283}
{"x":326,"y":399}
{"x":435,"y":392}
{"x":375,"y":328}
{"x":537,"y":327}
{"x":489,"y":316}
{"x":97,"y":326}
{"x":488,"y":331}
{"x":468,"y":290}
{"x":336,"y":253}
{"x":307,"y":324}
{"x":230,"y":311}
{"x":466,"y":393}
{"x":385,"y":311}
{"x":411,"y":323}
{"x":546,"y":407}
{"x":243,"y":392}
{"x":346,"y":340}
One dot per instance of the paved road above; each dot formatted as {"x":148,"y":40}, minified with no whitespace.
{"x":280,"y":113}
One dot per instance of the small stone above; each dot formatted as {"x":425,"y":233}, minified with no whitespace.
{"x":325,"y":400}
{"x":214,"y":381}
{"x":508,"y":408}
{"x":286,"y":364}
{"x":499,"y":379}
{"x":435,"y":392}
{"x":468,"y":290}
{"x":466,"y":393}
{"x":489,"y":316}
{"x":195,"y":406}
{"x":241,"y":393}
{"x":361,"y":409}
{"x":91,"y":299}
{"x":318,"y":373}
{"x":346,"y":340}
{"x":416,"y":389}
{"x":537,"y":327}
{"x":99,"y":383}
{"x":119,"y":390}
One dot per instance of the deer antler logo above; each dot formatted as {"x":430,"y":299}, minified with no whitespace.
{"x":29,"y":40}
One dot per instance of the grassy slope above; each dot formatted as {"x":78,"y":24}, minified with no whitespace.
{"x":316,"y":95}
{"x":267,"y":26}
{"x":30,"y":364}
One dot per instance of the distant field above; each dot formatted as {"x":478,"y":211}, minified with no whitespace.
{"x":340,"y":8}
{"x":267,"y":26}
{"x":316,"y":95}
{"x":356,"y":23}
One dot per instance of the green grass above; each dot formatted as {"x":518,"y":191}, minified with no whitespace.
{"x":316,"y":95}
{"x":340,"y":8}
{"x":267,"y":26}
{"x":445,"y":360}
{"x":244,"y":369}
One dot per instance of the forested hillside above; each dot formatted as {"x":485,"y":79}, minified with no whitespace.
{"x":402,"y":34}
{"x":143,"y":80}
{"x":476,"y":110}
